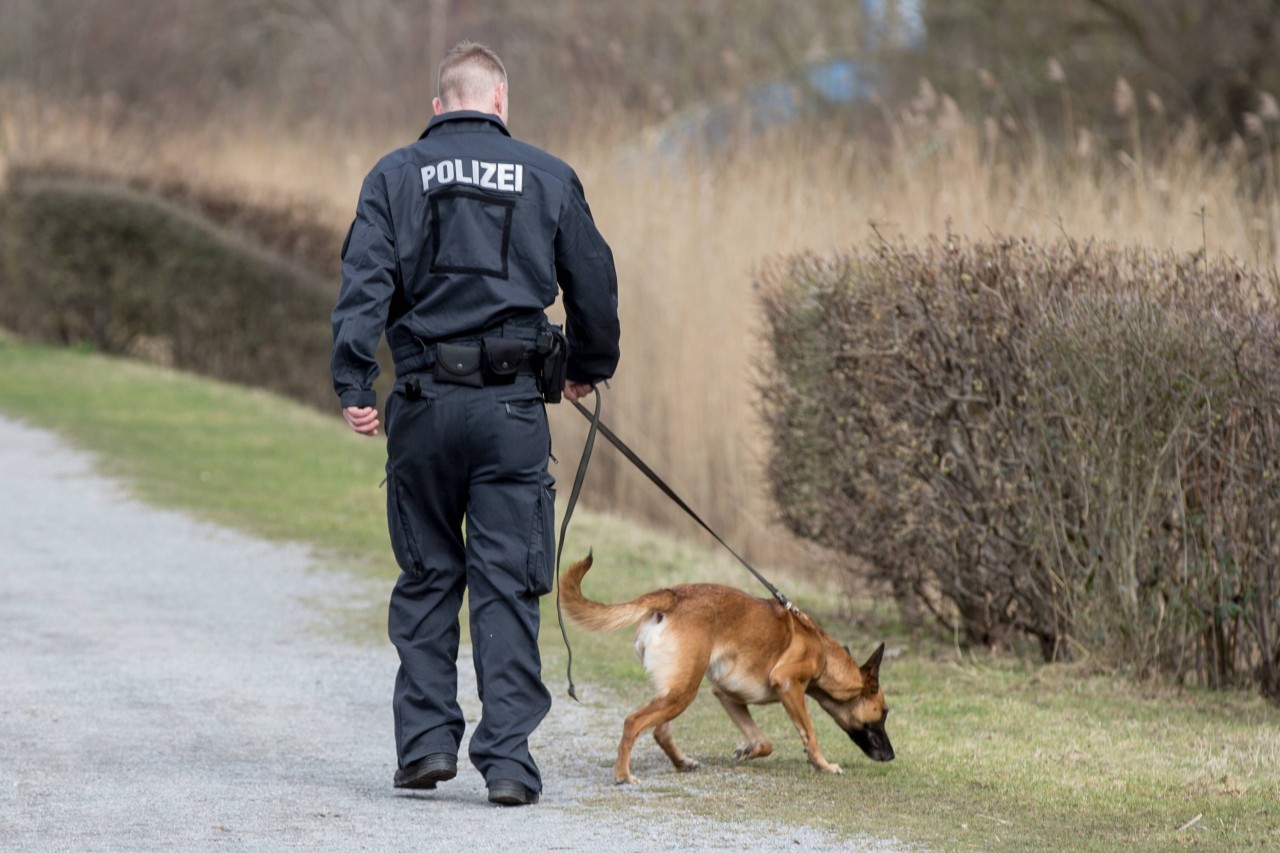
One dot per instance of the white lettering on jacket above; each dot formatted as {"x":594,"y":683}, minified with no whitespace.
{"x":501,"y":177}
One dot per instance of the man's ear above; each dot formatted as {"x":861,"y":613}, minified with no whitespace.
{"x":437,"y":106}
{"x":500,"y":100}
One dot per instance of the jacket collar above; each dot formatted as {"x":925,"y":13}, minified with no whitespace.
{"x":468,"y":116}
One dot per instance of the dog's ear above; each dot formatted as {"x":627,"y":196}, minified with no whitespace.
{"x":871,"y":672}
{"x":871,"y":669}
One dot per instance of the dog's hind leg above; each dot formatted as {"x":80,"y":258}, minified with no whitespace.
{"x":676,"y":671}
{"x":757,"y":745}
{"x":661,"y":711}
{"x":662,"y":734}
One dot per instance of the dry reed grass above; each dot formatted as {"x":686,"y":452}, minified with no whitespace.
{"x":689,"y":236}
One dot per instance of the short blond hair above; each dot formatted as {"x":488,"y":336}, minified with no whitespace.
{"x":468,"y":74}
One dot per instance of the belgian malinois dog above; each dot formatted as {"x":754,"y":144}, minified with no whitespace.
{"x":753,"y":651}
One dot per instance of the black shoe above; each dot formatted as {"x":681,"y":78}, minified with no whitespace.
{"x":507,"y":792}
{"x":424,"y":773}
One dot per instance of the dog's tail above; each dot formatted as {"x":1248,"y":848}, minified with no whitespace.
{"x":595,"y":616}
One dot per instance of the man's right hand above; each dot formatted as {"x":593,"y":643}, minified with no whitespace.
{"x":575,"y":391}
{"x":362,"y":419}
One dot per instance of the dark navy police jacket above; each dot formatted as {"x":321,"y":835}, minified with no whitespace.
{"x":460,"y":233}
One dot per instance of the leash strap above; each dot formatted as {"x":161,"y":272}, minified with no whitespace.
{"x":666,"y":490}
{"x":564,"y":525}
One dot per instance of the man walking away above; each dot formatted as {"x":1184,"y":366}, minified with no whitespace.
{"x":458,"y":244}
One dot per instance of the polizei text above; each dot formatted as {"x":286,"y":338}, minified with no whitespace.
{"x":503,"y":177}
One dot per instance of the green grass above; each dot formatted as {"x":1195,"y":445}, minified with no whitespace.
{"x":992,"y":754}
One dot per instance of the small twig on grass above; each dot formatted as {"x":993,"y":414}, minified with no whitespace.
{"x":1191,"y":822}
{"x":1000,"y":821}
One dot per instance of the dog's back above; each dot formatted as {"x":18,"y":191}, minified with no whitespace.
{"x":704,"y":604}
{"x":720,"y":630}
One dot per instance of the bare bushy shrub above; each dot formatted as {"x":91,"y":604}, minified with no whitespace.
{"x":1076,"y":443}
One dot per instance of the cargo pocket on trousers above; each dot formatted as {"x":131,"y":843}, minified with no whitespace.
{"x":403,"y":543}
{"x":542,"y":540}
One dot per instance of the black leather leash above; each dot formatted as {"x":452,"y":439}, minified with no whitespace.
{"x":621,"y":447}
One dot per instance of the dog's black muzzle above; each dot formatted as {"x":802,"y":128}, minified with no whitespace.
{"x":874,"y":741}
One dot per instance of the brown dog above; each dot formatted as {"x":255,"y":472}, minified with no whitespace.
{"x":753,"y":651}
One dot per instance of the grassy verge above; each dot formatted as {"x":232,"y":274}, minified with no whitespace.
{"x":991,"y":753}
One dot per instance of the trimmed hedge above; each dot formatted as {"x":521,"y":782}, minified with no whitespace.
{"x":130,"y":272}
{"x":1078,"y":444}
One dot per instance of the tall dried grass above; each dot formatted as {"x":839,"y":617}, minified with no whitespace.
{"x":689,"y":233}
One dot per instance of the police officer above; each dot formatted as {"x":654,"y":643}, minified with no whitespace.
{"x":457,"y":246}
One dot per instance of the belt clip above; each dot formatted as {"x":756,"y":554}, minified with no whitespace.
{"x":413,"y":389}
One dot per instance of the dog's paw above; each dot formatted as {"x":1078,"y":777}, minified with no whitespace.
{"x":688,"y":765}
{"x":625,"y":780}
{"x":752,"y":750}
{"x":825,"y":767}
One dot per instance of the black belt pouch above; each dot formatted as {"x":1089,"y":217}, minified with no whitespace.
{"x":500,"y":360}
{"x":458,"y":364}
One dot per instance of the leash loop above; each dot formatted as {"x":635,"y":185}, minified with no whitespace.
{"x":578,"y":479}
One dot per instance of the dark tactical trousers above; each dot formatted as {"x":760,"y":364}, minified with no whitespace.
{"x":479,"y":454}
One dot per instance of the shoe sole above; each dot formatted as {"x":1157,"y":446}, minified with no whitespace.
{"x":430,"y":775}
{"x":513,"y":798}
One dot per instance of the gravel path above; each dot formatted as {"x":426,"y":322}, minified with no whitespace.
{"x":165,"y":684}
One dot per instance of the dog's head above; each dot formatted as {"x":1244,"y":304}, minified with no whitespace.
{"x":851,"y":694}
{"x":870,"y":712}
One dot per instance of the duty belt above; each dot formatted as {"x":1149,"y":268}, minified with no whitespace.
{"x":426,"y":363}
{"x":418,"y":355}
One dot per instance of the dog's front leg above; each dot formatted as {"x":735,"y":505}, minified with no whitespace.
{"x":793,"y":700}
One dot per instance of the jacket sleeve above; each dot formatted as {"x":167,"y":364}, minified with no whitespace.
{"x":368,"y":282}
{"x":584,"y":268}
